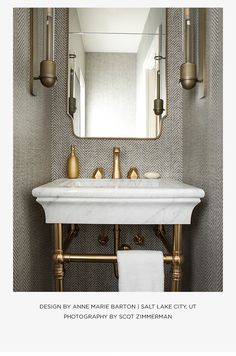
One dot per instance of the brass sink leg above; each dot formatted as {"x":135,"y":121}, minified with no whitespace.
{"x":58,"y":262}
{"x":177,"y":260}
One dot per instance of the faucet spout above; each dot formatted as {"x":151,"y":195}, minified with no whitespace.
{"x":116,"y":174}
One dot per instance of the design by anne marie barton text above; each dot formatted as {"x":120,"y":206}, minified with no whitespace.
{"x":118,"y":311}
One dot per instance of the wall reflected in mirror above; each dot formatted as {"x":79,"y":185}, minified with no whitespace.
{"x":112,"y":71}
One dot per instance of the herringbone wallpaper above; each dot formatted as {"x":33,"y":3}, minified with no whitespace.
{"x":202,"y":164}
{"x":32,"y":167}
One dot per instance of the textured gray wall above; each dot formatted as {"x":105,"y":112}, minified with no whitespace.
{"x":110,"y":88}
{"x":32,"y":167}
{"x":163,"y":155}
{"x":202,"y":164}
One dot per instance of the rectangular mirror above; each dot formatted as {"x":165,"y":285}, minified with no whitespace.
{"x":114,"y":56}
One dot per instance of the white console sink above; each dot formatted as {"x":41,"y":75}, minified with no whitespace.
{"x":118,"y":201}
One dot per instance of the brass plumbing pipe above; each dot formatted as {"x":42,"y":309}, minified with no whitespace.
{"x":72,"y":233}
{"x":159,"y":231}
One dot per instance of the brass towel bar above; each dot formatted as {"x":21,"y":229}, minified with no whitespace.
{"x":61,"y":258}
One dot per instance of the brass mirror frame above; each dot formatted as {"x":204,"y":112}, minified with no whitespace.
{"x":160,"y":119}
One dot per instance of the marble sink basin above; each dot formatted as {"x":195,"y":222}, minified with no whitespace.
{"x":118,"y":201}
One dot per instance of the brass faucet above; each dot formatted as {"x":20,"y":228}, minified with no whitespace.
{"x":116,"y":174}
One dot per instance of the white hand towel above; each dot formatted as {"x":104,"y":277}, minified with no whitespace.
{"x":140,"y":271}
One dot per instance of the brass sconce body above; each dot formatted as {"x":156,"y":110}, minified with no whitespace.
{"x":188,"y":76}
{"x":188,"y":71}
{"x":47,"y":74}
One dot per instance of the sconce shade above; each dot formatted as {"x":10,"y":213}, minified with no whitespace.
{"x":72,"y":106}
{"x":48,"y":73}
{"x":188,"y":77}
{"x":158,"y":106}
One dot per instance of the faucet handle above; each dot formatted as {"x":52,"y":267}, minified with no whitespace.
{"x":99,"y":173}
{"x":133,"y":173}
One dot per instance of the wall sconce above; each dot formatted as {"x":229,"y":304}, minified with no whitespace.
{"x":188,"y":71}
{"x":72,"y":100}
{"x":47,"y":74}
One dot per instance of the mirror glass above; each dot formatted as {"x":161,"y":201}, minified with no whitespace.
{"x":113,"y":58}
